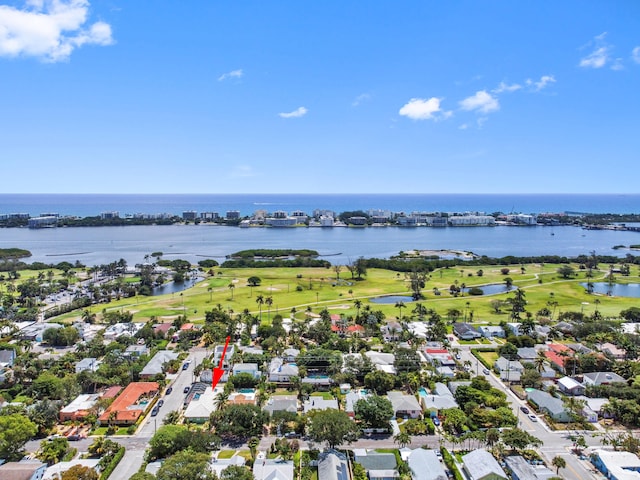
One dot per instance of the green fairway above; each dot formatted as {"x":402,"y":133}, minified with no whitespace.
{"x":309,"y":290}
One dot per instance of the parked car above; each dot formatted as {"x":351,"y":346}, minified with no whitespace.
{"x":185,"y":365}
{"x":524,"y":410}
{"x":458,"y":357}
{"x":155,"y":411}
{"x":160,"y":402}
{"x":186,"y":389}
{"x":486,"y":371}
{"x":533,"y":418}
{"x":436,"y":421}
{"x":169,"y":390}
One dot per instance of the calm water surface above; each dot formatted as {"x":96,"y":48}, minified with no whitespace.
{"x":98,"y":245}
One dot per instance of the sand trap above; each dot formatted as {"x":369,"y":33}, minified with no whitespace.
{"x":340,"y":307}
{"x":273,"y":289}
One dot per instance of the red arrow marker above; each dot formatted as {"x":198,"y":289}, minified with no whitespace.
{"x":219,"y":372}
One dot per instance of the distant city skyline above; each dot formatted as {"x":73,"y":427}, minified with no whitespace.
{"x":327,"y":97}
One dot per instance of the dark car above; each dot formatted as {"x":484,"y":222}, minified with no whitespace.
{"x":186,"y":389}
{"x":524,"y":410}
{"x":185,"y":366}
{"x":169,"y":390}
{"x":155,"y":411}
{"x":160,"y":402}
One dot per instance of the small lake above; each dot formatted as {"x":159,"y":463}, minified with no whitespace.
{"x":492,"y":288}
{"x":617,"y":289}
{"x":173,"y":287}
{"x":391,"y":299}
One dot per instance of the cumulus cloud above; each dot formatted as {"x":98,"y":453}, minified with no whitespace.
{"x":482,"y":102}
{"x":635,"y":54}
{"x":544,"y":81}
{"x":298,"y":112}
{"x":49,"y":30}
{"x":504,"y":87}
{"x":232,"y":74}
{"x":424,"y":109}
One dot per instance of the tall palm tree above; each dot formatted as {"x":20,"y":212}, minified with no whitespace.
{"x":232,"y":287}
{"x":260,"y":301}
{"x":269,"y":302}
{"x":403,"y":439}
{"x":400,"y":305}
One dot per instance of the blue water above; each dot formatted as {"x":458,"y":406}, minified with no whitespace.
{"x":391,"y":299}
{"x":492,"y":288}
{"x":617,"y":289}
{"x":99,"y":245}
{"x":85,"y":205}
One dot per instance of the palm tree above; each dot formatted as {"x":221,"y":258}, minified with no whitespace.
{"x":231,"y":287}
{"x":358,"y":305}
{"x":260,"y":301}
{"x":540,"y":361}
{"x":559,"y":463}
{"x":400,"y":305}
{"x":210,"y":290}
{"x":269,"y":302}
{"x":403,"y":439}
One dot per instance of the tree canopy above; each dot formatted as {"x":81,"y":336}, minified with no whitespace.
{"x":332,"y":426}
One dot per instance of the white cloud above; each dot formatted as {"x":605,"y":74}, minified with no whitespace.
{"x":232,"y":74}
{"x":635,"y":54}
{"x":298,"y":112}
{"x":360,"y":99}
{"x":423,"y":109}
{"x":600,"y":55}
{"x":544,"y":81}
{"x":49,"y":29}
{"x":596,"y":59}
{"x":482,"y":102}
{"x":464,"y":126}
{"x":503,"y":87}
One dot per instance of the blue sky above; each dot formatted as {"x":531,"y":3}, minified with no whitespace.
{"x":313,"y":97}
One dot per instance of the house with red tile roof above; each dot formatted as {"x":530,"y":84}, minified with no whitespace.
{"x":131,"y":404}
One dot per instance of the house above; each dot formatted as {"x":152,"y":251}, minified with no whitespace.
{"x":509,"y":370}
{"x":439,"y":400}
{"x":601,"y":378}
{"x":404,"y":406}
{"x":137,"y":351}
{"x":382,"y":361}
{"x":379,"y":466}
{"x":319,"y":403}
{"x":425,"y":465}
{"x":25,"y":470}
{"x":514,"y":328}
{"x":446,"y":372}
{"x":219,"y":351}
{"x":549,"y":405}
{"x":613,"y":351}
{"x":280,"y":372}
{"x":557,"y":354}
{"x":520,"y":469}
{"x":87,"y":364}
{"x":319,"y":382}
{"x":333,"y":465}
{"x":439,"y":357}
{"x":290,"y":354}
{"x":201,"y":403}
{"x":527,"y":354}
{"x":617,"y":465}
{"x":79,"y":408}
{"x":589,"y":414}
{"x":55,"y":472}
{"x":131,"y":404}
{"x":245,"y":397}
{"x":481,"y":465}
{"x":351,"y":398}
{"x":162,"y":329}
{"x":248,"y":368}
{"x":489,"y":331}
{"x":569,"y":386}
{"x":155,"y":366}
{"x":117,"y":330}
{"x":465,"y":331}
{"x":272,"y":469}
{"x":7,"y":357}
{"x":281,"y":403}
{"x":218,"y":465}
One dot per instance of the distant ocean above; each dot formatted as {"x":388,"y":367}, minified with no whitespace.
{"x":84,"y":205}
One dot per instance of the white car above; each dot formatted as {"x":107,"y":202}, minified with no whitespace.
{"x":533,"y":418}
